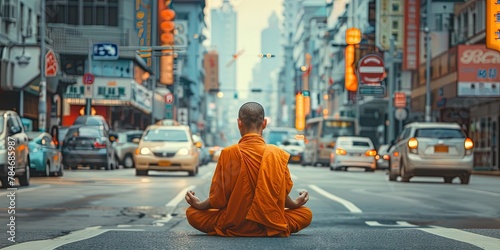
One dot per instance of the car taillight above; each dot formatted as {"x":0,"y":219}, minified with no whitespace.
{"x":386,"y":157}
{"x":395,"y":154}
{"x":413,"y":145}
{"x":99,"y":144}
{"x":340,"y":151}
{"x":377,"y":157}
{"x":371,"y":152}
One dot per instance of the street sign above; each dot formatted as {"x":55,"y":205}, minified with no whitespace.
{"x":371,"y":69}
{"x":400,"y":114}
{"x":88,"y":89}
{"x":182,"y":115}
{"x":169,"y":98}
{"x":399,"y":100}
{"x":372,"y":90}
{"x":88,"y":79}
{"x":51,"y":64}
{"x":169,"y":111}
{"x":105,"y":51}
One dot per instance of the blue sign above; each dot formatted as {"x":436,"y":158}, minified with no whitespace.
{"x":105,"y":51}
{"x":372,"y":90}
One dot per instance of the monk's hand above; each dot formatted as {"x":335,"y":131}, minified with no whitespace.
{"x":192,"y":199}
{"x":302,"y":199}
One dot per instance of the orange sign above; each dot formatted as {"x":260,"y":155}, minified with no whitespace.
{"x":211,"y":65}
{"x":476,"y":63}
{"x":51,"y":64}
{"x":492,"y":25}
{"x":411,"y":35}
{"x":399,"y":100}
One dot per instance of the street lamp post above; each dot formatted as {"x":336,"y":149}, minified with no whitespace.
{"x":42,"y":101}
{"x":428,"y":59}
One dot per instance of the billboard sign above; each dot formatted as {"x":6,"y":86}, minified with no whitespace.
{"x":478,"y":71}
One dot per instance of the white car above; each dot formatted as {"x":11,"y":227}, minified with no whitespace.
{"x":432,"y":149}
{"x":353,"y":151}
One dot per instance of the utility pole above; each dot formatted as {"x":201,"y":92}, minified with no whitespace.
{"x":154,"y":42}
{"x":42,"y":101}
{"x":428,"y":59}
{"x":390,"y":87}
{"x":88,"y":101}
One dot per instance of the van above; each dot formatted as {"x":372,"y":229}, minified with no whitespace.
{"x":14,"y":151}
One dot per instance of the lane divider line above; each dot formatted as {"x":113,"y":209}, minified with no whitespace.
{"x":478,"y":240}
{"x":180,"y":197}
{"x":480,"y":191}
{"x":349,"y":205}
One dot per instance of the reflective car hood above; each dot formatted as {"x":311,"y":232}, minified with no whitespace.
{"x":165,"y":146}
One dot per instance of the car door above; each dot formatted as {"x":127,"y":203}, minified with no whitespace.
{"x":16,"y":134}
{"x":51,"y":152}
{"x":400,"y":147}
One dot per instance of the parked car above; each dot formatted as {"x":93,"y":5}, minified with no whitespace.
{"x":295,"y":148}
{"x":204,"y":152}
{"x":13,"y":144}
{"x":383,"y":157}
{"x":166,"y":148}
{"x":88,"y":145}
{"x":125,"y":147}
{"x":432,"y":149}
{"x":92,"y":120}
{"x":45,"y":157}
{"x":353,"y":151}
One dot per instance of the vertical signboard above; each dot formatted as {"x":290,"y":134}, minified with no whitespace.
{"x":411,"y":35}
{"x":142,"y":22}
{"x":211,"y":65}
{"x":478,"y":74}
{"x":493,"y":25}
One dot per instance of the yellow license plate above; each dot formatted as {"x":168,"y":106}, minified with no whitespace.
{"x":164,"y":163}
{"x":295,"y":158}
{"x":441,"y":149}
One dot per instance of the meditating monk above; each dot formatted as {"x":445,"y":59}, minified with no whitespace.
{"x":249,"y":194}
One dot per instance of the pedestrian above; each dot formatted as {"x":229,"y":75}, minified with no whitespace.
{"x":249,"y":193}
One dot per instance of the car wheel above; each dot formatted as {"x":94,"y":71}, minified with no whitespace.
{"x":392,"y":177}
{"x":465,"y":179}
{"x":369,"y":170}
{"x":47,"y":169}
{"x":141,"y":172}
{"x":402,"y":172}
{"x":193,"y":172}
{"x":24,"y":180}
{"x":60,"y":172}
{"x":448,"y":179}
{"x":128,"y":162}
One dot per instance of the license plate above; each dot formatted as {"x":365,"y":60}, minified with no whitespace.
{"x":295,"y":158}
{"x":353,"y":154}
{"x":164,"y":163}
{"x":440,"y":149}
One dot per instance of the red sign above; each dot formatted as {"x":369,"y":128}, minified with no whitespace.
{"x":411,"y":35}
{"x":399,"y":100}
{"x":51,"y":65}
{"x":169,"y":98}
{"x":476,"y":63}
{"x":88,"y":79}
{"x":371,"y":69}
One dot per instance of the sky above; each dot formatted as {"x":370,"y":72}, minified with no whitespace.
{"x":253,"y":16}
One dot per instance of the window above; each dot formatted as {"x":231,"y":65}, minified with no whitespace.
{"x":440,"y":133}
{"x":166,"y":135}
{"x":395,"y":25}
{"x":395,"y":7}
{"x":95,"y":12}
{"x":439,"y":22}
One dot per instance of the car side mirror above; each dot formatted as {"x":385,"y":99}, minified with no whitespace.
{"x":113,"y":138}
{"x":136,"y":140}
{"x":15,"y":130}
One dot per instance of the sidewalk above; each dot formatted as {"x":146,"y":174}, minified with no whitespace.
{"x":485,"y":171}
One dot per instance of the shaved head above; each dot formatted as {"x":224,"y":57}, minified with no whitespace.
{"x":251,"y":115}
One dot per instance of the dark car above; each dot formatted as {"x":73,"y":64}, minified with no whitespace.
{"x":92,"y":120}
{"x":88,"y":145}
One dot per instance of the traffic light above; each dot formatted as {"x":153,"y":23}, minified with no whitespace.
{"x":307,"y":101}
{"x":300,"y":117}
{"x":493,"y":25}
{"x":351,"y":81}
{"x":167,"y":28}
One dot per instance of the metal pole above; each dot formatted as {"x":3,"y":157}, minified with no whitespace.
{"x":390,"y":87}
{"x":154,"y":42}
{"x":88,"y":104}
{"x":428,"y":59}
{"x":42,"y":101}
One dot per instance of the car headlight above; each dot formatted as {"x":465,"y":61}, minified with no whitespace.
{"x":145,"y":151}
{"x":182,"y":152}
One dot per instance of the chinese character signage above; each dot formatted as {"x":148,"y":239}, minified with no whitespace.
{"x":143,"y":24}
{"x":211,"y":65}
{"x":493,"y":24}
{"x":478,"y":71}
{"x":411,"y":35}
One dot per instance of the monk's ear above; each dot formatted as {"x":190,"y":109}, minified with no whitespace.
{"x":264,"y":123}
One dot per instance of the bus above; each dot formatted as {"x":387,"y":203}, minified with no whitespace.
{"x":276,"y":135}
{"x":320,"y":135}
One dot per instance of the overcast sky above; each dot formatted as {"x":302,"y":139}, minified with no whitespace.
{"x":252,"y":19}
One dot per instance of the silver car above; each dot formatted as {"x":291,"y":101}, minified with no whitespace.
{"x":125,"y":147}
{"x":432,"y":149}
{"x":353,"y":151}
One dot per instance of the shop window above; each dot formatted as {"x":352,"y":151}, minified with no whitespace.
{"x":101,"y":90}
{"x":121,"y":91}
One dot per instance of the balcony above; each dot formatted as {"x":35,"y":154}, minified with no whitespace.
{"x":75,"y":39}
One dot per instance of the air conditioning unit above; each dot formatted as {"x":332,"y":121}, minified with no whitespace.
{"x":8,"y":12}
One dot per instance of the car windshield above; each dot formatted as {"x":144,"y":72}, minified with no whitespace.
{"x":440,"y":133}
{"x":33,"y":135}
{"x":92,"y":132}
{"x":276,"y":137}
{"x":360,"y":144}
{"x":337,"y":128}
{"x":167,"y":135}
{"x":131,"y":137}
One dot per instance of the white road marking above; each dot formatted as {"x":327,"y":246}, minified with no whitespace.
{"x":74,"y":236}
{"x":349,"y":205}
{"x":24,"y":190}
{"x":398,"y":224}
{"x":207,"y":175}
{"x":480,"y":241}
{"x":180,"y":196}
{"x":480,"y":191}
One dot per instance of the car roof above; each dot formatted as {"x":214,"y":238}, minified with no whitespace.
{"x":353,"y":138}
{"x":33,"y":134}
{"x":433,"y":125}
{"x":176,"y":127}
{"x":3,"y":112}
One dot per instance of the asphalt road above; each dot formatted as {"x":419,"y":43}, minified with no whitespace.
{"x":97,"y":209}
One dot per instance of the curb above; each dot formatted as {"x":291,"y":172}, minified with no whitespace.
{"x":486,"y":172}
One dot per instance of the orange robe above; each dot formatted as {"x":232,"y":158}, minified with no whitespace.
{"x":248,"y":193}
